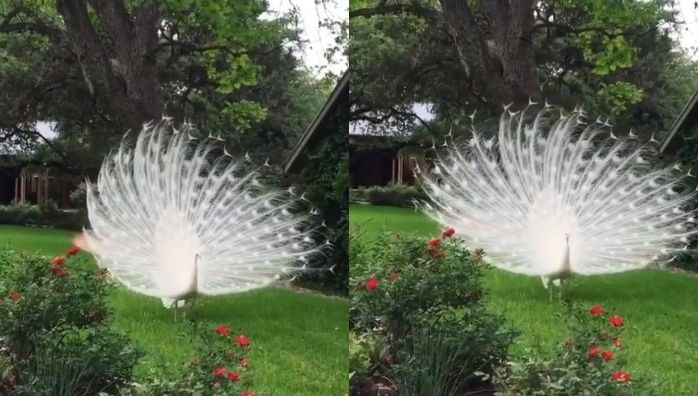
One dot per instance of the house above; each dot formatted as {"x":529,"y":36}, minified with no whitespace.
{"x":34,"y":185}
{"x":686,"y":121}
{"x":332,"y":118}
{"x":381,"y":160}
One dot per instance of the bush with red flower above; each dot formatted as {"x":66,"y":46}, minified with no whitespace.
{"x":54,"y":326}
{"x":589,"y":361}
{"x":219,"y":366}
{"x":410,"y":296}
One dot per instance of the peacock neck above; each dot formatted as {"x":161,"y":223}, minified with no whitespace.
{"x":566,"y":266}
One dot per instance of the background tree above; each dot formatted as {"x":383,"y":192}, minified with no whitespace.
{"x":459,"y":56}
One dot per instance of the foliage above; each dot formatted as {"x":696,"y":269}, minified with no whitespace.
{"x":588,"y":362}
{"x":54,"y":326}
{"x":326,"y":183}
{"x":45,"y":215}
{"x":219,"y":366}
{"x":611,"y":57}
{"x":394,"y":195}
{"x":407,"y":292}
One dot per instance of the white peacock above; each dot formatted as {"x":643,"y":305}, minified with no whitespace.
{"x":553,"y":199}
{"x":170,"y":219}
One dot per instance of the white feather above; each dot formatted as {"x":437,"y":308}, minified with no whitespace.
{"x":618,"y":211}
{"x":171,"y":219}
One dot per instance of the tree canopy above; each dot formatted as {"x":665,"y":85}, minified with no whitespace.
{"x":97,"y":68}
{"x":615,"y":58}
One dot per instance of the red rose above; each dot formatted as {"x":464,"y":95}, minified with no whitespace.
{"x":15,"y":296}
{"x":620,"y":376}
{"x":58,"y":261}
{"x":593,"y":351}
{"x":434,"y":243}
{"x":246,"y":393}
{"x":449,"y":231}
{"x":617,"y":342}
{"x":371,"y":284}
{"x":607,"y":355}
{"x":243,"y":362}
{"x":73,"y":250}
{"x":222,"y":330}
{"x":233,"y":376}
{"x":392,"y":276}
{"x":616,"y":320}
{"x":219,"y":372}
{"x":596,"y":310}
{"x":242,"y":340}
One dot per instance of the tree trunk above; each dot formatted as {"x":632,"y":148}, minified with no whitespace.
{"x":497,"y":55}
{"x":121,"y":73}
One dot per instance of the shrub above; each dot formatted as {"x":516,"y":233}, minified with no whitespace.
{"x":54,"y":327}
{"x":393,"y":195}
{"x":44,"y":215}
{"x":588,"y":362}
{"x":219,"y":367}
{"x":425,"y":299}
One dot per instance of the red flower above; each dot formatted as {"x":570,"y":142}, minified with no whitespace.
{"x":620,"y":376}
{"x":616,"y":320}
{"x":593,"y":351}
{"x":59,"y":272}
{"x":449,"y":231}
{"x":73,"y":250}
{"x":434,"y":243}
{"x":222,"y":330}
{"x":437,"y":254}
{"x":243,"y":362}
{"x":58,"y":261}
{"x":371,"y":284}
{"x":596,"y":310}
{"x":242,"y":340}
{"x":392,"y":276}
{"x":607,"y":355}
{"x":219,"y":372}
{"x":617,"y":342}
{"x":246,"y":393}
{"x":233,"y":376}
{"x":15,"y":296}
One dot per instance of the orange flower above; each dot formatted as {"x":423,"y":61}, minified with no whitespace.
{"x":620,"y":376}
{"x":222,"y":330}
{"x":372,"y":284}
{"x":58,"y":261}
{"x":243,"y":362}
{"x":219,"y":372}
{"x":449,"y":231}
{"x":59,"y":272}
{"x":593,"y":351}
{"x":607,"y":355}
{"x":596,"y":310}
{"x":617,"y":342}
{"x":15,"y":296}
{"x":434,"y":243}
{"x":246,"y":393}
{"x":616,"y":320}
{"x":233,"y":376}
{"x":73,"y":250}
{"x":242,"y":341}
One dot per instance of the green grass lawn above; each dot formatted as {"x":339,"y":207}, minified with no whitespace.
{"x":299,"y":339}
{"x":660,"y":307}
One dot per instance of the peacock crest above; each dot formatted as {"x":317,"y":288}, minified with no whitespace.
{"x":176,"y":216}
{"x":552,"y":195}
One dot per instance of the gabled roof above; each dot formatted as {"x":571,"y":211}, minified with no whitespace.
{"x":315,"y":128}
{"x":686,"y":118}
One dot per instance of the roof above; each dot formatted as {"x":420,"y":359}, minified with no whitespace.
{"x":686,"y":118}
{"x":315,"y":128}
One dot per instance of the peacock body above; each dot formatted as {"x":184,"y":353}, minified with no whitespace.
{"x":172,"y":217}
{"x":555,"y":198}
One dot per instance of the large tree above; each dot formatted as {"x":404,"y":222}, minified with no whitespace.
{"x":97,"y":68}
{"x":480,"y":54}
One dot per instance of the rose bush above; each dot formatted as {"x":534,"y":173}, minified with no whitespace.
{"x":414,"y":300}
{"x":589,"y":361}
